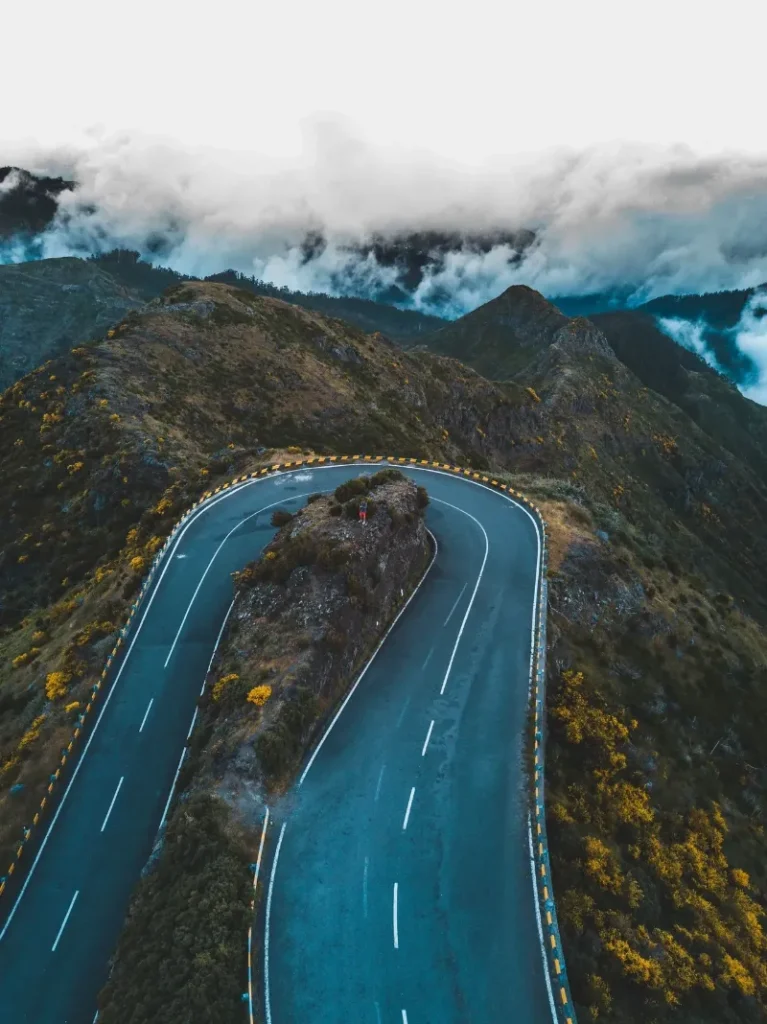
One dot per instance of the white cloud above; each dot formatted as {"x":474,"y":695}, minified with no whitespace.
{"x":646,"y":220}
{"x":751,"y":338}
{"x":687,"y":333}
{"x":10,"y":182}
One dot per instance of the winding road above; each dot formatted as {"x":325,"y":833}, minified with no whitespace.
{"x":399,"y":877}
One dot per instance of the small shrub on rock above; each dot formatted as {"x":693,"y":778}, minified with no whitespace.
{"x":281,"y":517}
{"x":385,"y":476}
{"x":352,"y":488}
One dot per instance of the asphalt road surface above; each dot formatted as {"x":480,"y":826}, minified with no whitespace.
{"x":400,"y":887}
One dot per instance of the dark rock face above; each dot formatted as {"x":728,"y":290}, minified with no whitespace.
{"x":28,"y":204}
{"x":581,"y":336}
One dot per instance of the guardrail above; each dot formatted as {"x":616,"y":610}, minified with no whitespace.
{"x":557,"y":981}
{"x":53,"y":791}
{"x":552,"y":940}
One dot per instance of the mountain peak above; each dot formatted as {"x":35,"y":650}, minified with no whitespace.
{"x":512,"y":331}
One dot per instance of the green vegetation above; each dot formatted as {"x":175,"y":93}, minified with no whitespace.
{"x":182,"y":953}
{"x":281,"y":517}
{"x":655,"y":794}
{"x":654,"y":492}
{"x":275,"y":683}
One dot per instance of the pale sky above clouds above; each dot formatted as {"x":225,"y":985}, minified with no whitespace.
{"x":630,"y":137}
{"x":467,"y":81}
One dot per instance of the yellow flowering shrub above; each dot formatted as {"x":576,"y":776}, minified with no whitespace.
{"x":220,"y":685}
{"x":56,"y":684}
{"x":162,"y":506}
{"x":259,"y":695}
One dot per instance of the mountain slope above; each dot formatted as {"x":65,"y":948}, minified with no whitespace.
{"x":50,"y":305}
{"x":47,"y":306}
{"x":709,"y":398}
{"x":500,"y":337}
{"x":658,"y":530}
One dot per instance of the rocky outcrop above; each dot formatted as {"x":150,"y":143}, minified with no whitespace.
{"x":580,"y":336}
{"x":307,"y":615}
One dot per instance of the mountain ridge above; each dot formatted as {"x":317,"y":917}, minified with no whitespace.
{"x":657,"y":527}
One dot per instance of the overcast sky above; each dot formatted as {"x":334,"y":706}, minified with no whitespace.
{"x":467,"y":81}
{"x":630,"y":138}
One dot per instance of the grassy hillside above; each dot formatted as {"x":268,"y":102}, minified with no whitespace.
{"x":658,"y":520}
{"x":47,"y":306}
{"x":102,"y":447}
{"x":501,"y":337}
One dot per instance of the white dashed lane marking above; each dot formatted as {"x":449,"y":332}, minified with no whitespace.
{"x":66,"y":918}
{"x":407,"y":812}
{"x":109,"y":810}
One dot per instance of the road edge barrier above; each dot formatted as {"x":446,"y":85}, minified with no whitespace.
{"x":552,"y":942}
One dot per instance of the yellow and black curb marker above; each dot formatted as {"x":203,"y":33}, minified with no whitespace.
{"x":555,"y":955}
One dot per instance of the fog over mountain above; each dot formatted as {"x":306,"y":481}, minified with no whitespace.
{"x":641,"y":220}
{"x":624,"y":223}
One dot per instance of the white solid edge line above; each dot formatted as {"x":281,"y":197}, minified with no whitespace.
{"x":260,"y":849}
{"x":267,"y":990}
{"x":194,"y":515}
{"x":250,"y":929}
{"x":360,"y":677}
{"x":191,"y":726}
{"x":194,"y":716}
{"x":394,"y":916}
{"x":172,"y":788}
{"x":457,"y":600}
{"x":532,"y":519}
{"x":199,"y":511}
{"x":538,"y":919}
{"x":215,"y":645}
{"x":214,"y":556}
{"x":146,"y":714}
{"x":407,"y":811}
{"x":428,"y":737}
{"x":170,"y":549}
{"x":109,"y":811}
{"x":474,"y":592}
{"x":66,"y":918}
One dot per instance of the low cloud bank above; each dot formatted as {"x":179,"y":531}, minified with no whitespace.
{"x":624,"y":223}
{"x":630,"y":220}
